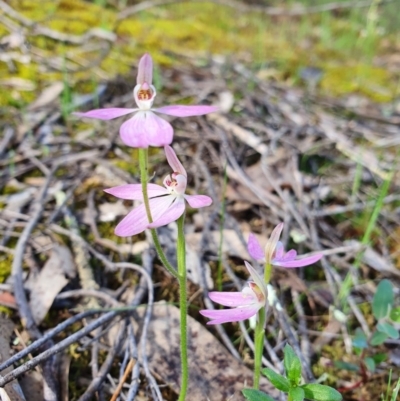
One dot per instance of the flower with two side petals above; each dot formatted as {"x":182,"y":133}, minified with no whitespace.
{"x":145,"y":128}
{"x":167,"y":203}
{"x":244,"y":304}
{"x":274,"y":253}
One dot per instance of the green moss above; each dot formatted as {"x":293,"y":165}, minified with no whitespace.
{"x":5,"y":267}
{"x":335,"y":43}
{"x":367,"y":80}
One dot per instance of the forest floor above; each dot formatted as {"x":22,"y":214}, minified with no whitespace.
{"x":308,"y":134}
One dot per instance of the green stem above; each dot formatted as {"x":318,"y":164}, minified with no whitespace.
{"x":143,"y":166}
{"x":260,"y":333}
{"x":267,"y":273}
{"x":221,"y":230}
{"x":259,"y":346}
{"x":181,"y":256}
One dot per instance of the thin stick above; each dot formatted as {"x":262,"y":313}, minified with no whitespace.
{"x":123,"y":380}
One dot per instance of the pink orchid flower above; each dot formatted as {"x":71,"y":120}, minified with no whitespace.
{"x":166,"y":204}
{"x":145,"y":128}
{"x":245,"y":304}
{"x":274,"y":253}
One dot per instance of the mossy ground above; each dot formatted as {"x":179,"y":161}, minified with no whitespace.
{"x":347,"y":46}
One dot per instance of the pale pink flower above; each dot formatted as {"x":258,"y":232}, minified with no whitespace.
{"x":145,"y":128}
{"x":245,"y":304}
{"x":166,"y":204}
{"x":274,"y":253}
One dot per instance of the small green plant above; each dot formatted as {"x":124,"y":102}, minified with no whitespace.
{"x":385,"y":314}
{"x":291,"y":383}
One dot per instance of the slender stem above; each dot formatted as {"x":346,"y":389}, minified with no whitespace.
{"x":143,"y":165}
{"x":181,"y":256}
{"x":259,"y":346}
{"x":221,"y":230}
{"x":260,"y":333}
{"x":267,"y":272}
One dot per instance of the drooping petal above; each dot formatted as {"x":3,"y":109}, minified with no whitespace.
{"x":197,"y":201}
{"x":254,"y":248}
{"x":289,"y":264}
{"x":146,"y":129}
{"x":272,"y":242}
{"x":136,"y":221}
{"x":257,"y":279}
{"x":171,"y":214}
{"x":106,"y":114}
{"x":173,"y":161}
{"x":230,"y":315}
{"x":233,"y":299}
{"x":134,"y":191}
{"x":145,"y":70}
{"x":186,"y":111}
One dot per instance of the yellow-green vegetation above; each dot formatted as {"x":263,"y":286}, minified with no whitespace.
{"x":346,"y":46}
{"x":5,"y":266}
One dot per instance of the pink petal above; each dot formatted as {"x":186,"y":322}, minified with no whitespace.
{"x":173,"y":213}
{"x":232,"y":299}
{"x":136,"y":221}
{"x":173,"y":161}
{"x":298,"y":262}
{"x":134,"y":191}
{"x":186,"y":111}
{"x":146,"y":129}
{"x":106,"y":114}
{"x":196,"y":201}
{"x":230,"y":315}
{"x":290,"y":255}
{"x":145,"y":70}
{"x":254,"y":248}
{"x":273,"y":242}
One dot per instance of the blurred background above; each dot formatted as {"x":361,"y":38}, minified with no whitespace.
{"x":341,"y":47}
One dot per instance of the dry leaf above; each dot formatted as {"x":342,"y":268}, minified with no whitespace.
{"x":32,"y":385}
{"x":215,"y":374}
{"x":12,"y":390}
{"x":48,"y":96}
{"x":374,"y":259}
{"x":50,"y":281}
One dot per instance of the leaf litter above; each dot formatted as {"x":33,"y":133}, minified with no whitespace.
{"x":290,"y":156}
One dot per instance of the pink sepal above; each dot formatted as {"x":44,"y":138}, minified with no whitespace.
{"x":134,"y":191}
{"x":229,"y":315}
{"x":273,"y":242}
{"x":254,"y":248}
{"x":232,"y":299}
{"x":186,"y":111}
{"x":197,"y":201}
{"x":145,"y":70}
{"x":106,"y":114}
{"x":173,"y":161}
{"x":298,"y":262}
